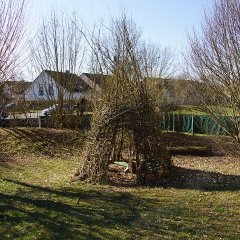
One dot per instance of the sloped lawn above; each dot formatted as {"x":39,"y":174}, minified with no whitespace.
{"x":38,"y":200}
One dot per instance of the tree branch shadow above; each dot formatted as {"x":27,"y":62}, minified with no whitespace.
{"x":75,"y":212}
{"x":183,"y":178}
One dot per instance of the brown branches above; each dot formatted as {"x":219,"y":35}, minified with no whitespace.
{"x":59,"y":44}
{"x":126,"y":106}
{"x":59,"y":49}
{"x":214,"y":62}
{"x":139,"y":121}
{"x":12,"y":29}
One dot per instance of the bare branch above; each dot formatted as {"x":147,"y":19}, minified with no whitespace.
{"x":12,"y":29}
{"x":214,"y":62}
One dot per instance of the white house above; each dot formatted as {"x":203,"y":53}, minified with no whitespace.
{"x":49,"y":85}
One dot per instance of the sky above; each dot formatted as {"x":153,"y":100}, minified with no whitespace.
{"x":164,"y":22}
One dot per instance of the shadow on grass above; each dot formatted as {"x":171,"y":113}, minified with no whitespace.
{"x":177,"y":139}
{"x":48,"y":141}
{"x":67,"y":214}
{"x":80,"y":214}
{"x":183,"y":178}
{"x":207,"y":145}
{"x":193,"y":151}
{"x":35,"y":212}
{"x":36,"y":134}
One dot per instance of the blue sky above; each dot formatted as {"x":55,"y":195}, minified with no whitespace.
{"x":165,"y":22}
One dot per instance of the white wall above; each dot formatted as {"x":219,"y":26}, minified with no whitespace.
{"x":32,"y":92}
{"x":44,"y":80}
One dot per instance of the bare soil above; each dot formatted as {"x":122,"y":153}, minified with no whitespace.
{"x":218,"y":169}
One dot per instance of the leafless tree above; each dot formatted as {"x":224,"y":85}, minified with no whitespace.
{"x":124,"y":116}
{"x":153,"y":62}
{"x":59,"y":49}
{"x":214,"y":63}
{"x":12,"y":29}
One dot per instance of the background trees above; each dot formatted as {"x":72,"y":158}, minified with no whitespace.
{"x":58,"y":48}
{"x":214,"y":62}
{"x":58,"y":45}
{"x":12,"y":29}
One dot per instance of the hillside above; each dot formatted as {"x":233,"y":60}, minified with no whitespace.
{"x":40,"y":141}
{"x":38,"y":200}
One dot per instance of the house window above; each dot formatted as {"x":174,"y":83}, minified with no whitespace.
{"x":40,"y":90}
{"x":50,"y":90}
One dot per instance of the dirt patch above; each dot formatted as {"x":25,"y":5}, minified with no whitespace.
{"x":201,"y":173}
{"x":118,"y":176}
{"x":220,"y":170}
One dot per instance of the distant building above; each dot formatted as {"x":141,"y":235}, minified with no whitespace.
{"x":50,"y":85}
{"x":14,"y":90}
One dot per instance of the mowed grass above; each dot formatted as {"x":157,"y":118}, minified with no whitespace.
{"x":194,"y":110}
{"x":189,"y":110}
{"x":38,"y":200}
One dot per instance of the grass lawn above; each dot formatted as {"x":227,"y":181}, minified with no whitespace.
{"x":194,"y":110}
{"x":188,"y":110}
{"x":38,"y":200}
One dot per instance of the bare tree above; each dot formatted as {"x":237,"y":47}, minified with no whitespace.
{"x":59,"y":49}
{"x":12,"y":29}
{"x":154,"y":63}
{"x":124,"y":118}
{"x":214,"y":64}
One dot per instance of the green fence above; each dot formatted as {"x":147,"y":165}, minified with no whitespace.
{"x":195,"y":124}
